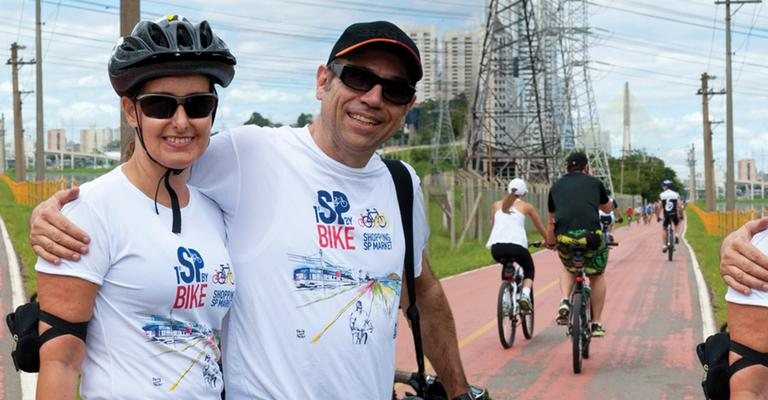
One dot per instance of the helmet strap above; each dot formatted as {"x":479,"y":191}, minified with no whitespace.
{"x":175,"y":208}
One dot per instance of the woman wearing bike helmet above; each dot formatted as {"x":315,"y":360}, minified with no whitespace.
{"x":146,"y":289}
{"x":508,"y":237}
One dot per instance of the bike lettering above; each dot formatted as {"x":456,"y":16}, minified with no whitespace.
{"x":330,"y":236}
{"x":190,"y":296}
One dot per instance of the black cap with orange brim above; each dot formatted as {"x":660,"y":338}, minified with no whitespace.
{"x":363,"y":34}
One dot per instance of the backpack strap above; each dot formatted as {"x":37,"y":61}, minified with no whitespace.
{"x":749,"y":357}
{"x":404,"y":188}
{"x":61,"y":327}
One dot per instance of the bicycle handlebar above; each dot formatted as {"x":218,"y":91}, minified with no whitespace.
{"x":434,"y":389}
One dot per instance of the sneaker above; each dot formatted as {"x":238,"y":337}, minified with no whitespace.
{"x":562,"y":312}
{"x":525,"y":302}
{"x":597,"y":330}
{"x":664,"y":249}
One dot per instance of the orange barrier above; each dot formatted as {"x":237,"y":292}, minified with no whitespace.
{"x":722,"y":223}
{"x":32,"y":193}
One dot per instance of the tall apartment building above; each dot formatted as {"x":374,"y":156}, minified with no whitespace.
{"x":94,"y":140}
{"x":57,"y":140}
{"x":462,"y":61}
{"x":426,"y":39}
{"x":455,"y":59}
{"x":747,"y":170}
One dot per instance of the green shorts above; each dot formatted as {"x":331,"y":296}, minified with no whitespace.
{"x":594,"y":260}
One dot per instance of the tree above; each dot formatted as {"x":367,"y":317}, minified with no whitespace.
{"x":429,"y":117}
{"x":257,"y":119}
{"x":643,"y":175}
{"x":459,"y":110}
{"x":303,"y":120}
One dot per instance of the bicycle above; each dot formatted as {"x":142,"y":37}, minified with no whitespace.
{"x":581,"y":309}
{"x":605,"y":223}
{"x":670,"y":241}
{"x":434,"y":389}
{"x":508,"y":310}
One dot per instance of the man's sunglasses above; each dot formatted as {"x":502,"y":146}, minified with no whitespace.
{"x":397,"y":91}
{"x":163,"y":106}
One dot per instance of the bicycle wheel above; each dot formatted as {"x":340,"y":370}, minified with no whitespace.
{"x":506,"y":321}
{"x":526,"y":320}
{"x":577,"y":331}
{"x":588,"y":331}
{"x":670,"y":244}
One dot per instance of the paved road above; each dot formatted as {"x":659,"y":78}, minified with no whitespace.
{"x":652,"y":319}
{"x":10,"y":385}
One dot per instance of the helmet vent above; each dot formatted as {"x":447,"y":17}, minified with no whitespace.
{"x":184,"y":38}
{"x":206,"y":36}
{"x":158,"y":36}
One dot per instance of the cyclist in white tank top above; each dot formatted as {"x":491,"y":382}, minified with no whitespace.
{"x":508,"y":237}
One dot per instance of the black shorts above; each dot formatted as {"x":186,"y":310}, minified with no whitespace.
{"x":670,"y":218}
{"x":521,"y":255}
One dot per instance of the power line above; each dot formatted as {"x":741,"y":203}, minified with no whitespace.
{"x":676,"y":20}
{"x":712,"y":41}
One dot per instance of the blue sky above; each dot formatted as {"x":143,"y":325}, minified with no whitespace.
{"x":659,"y":47}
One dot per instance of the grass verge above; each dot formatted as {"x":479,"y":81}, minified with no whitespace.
{"x":707,"y":250}
{"x":16,"y":219}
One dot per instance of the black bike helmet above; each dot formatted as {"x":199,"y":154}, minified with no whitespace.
{"x":169,"y":46}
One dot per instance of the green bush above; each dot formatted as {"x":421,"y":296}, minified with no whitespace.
{"x":16,"y":219}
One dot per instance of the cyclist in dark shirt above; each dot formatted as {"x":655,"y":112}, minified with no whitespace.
{"x":574,"y":201}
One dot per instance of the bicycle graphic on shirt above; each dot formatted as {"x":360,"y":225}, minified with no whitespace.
{"x":372,"y":218}
{"x":340,"y":201}
{"x":223,"y":275}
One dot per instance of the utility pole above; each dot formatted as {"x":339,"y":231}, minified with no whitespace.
{"x":129,"y":16}
{"x":730,"y":189}
{"x":709,"y":176}
{"x":2,"y":143}
{"x":18,"y":131}
{"x":39,"y":154}
{"x":692,"y":165}
{"x":626,"y":146}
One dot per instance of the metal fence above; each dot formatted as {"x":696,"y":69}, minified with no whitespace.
{"x":31,"y":193}
{"x":466,"y":198}
{"x":721,"y":223}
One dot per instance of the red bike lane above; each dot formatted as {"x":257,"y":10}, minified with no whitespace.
{"x":652,"y":319}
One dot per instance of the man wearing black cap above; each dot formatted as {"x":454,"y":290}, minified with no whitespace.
{"x":295,"y":202}
{"x":574,"y":201}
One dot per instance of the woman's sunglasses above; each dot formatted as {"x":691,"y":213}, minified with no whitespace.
{"x":163,"y":106}
{"x":396,"y":91}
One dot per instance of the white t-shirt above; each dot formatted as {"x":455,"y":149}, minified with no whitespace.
{"x":318,"y":249}
{"x":757,"y":297}
{"x":611,"y":214}
{"x":669,"y":199}
{"x":158,"y":313}
{"x":508,"y":228}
